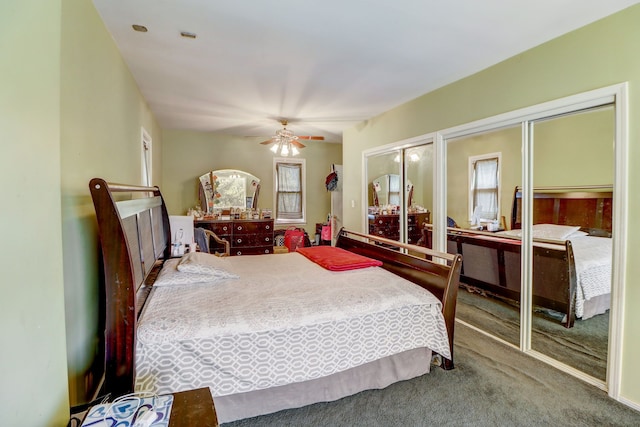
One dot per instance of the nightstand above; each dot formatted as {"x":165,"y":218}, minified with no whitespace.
{"x":193,"y":408}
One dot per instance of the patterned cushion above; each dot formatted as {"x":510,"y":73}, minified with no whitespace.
{"x":170,"y":275}
{"x":548,"y":231}
{"x":206,"y":264}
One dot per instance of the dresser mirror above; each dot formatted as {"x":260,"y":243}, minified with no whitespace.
{"x":228,"y":188}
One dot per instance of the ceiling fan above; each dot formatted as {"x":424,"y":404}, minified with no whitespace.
{"x":285,"y":142}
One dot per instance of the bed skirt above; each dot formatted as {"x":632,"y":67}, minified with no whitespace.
{"x":373,"y":375}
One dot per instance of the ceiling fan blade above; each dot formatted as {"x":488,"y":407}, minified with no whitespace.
{"x":268,"y":141}
{"x":297,"y":144}
{"x":309,"y":138}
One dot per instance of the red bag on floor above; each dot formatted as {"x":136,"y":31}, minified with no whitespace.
{"x":294,"y":239}
{"x":326,"y":232}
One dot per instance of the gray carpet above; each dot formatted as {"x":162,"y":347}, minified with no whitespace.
{"x":492,"y":385}
{"x":583,"y":347}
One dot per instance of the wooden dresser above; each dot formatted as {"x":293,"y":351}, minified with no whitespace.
{"x":246,"y":236}
{"x":388,"y":226}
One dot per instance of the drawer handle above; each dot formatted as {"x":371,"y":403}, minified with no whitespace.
{"x":266,"y":251}
{"x":239,"y":228}
{"x":239,"y":253}
{"x":266,"y":239}
{"x":224,"y":228}
{"x":267,"y":227}
{"x":239,"y":241}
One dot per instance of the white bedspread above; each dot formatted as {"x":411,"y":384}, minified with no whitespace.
{"x":593,"y":269}
{"x":285,"y":320}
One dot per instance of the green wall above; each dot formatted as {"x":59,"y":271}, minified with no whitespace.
{"x":33,"y":389}
{"x":598,"y":55}
{"x":188,"y":154}
{"x":102,"y":112}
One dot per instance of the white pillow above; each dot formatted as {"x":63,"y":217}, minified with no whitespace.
{"x":170,"y":275}
{"x":207,"y":264}
{"x":578,"y":234}
{"x":549,"y":232}
{"x":514,"y":233}
{"x":553,"y":231}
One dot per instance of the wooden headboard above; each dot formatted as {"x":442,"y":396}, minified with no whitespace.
{"x":590,"y":207}
{"x":134,"y":234}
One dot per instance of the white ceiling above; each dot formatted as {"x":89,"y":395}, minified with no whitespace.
{"x":323,"y":64}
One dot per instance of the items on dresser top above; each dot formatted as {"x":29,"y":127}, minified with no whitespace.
{"x":246,"y":236}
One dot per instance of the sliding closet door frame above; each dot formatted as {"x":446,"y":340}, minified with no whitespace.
{"x":616,"y":95}
{"x":385,"y":149}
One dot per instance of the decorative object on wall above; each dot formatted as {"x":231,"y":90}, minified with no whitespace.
{"x":331,"y":182}
{"x":285,"y":143}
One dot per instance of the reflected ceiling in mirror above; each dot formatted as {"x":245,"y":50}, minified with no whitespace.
{"x":228,"y":188}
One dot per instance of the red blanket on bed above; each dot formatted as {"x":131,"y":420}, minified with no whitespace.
{"x":337,"y":259}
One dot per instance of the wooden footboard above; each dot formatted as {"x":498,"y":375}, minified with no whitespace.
{"x":440,"y":274}
{"x":493,"y":264}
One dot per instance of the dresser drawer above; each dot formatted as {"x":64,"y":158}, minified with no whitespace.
{"x":222,"y":228}
{"x":243,"y":240}
{"x":252,"y":250}
{"x":252,"y":227}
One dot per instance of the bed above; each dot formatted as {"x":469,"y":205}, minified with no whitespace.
{"x":571,"y":252}
{"x":267,"y":333}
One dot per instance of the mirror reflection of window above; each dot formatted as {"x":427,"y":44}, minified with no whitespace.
{"x":233,"y":191}
{"x":394,"y":190}
{"x":228,"y":188}
{"x":485,"y":187}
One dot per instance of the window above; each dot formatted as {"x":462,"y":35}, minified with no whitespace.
{"x":289,"y":190}
{"x":484,"y":191}
{"x":146,"y":158}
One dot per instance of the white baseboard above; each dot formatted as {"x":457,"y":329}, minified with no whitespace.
{"x":630,"y":404}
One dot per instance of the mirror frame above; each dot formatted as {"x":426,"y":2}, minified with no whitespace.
{"x":208,"y":189}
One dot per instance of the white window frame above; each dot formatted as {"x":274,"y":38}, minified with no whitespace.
{"x":472,"y":161}
{"x":289,"y":160}
{"x":146,"y":169}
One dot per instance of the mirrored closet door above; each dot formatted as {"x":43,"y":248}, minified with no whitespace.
{"x":572,"y":206}
{"x":400,"y":192}
{"x":483,"y":169}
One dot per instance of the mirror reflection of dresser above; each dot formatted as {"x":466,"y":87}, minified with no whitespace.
{"x":388,"y":225}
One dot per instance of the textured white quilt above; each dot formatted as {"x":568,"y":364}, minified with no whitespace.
{"x":593,"y":268}
{"x":284,"y":320}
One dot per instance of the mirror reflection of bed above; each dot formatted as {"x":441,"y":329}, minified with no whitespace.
{"x":572,"y":250}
